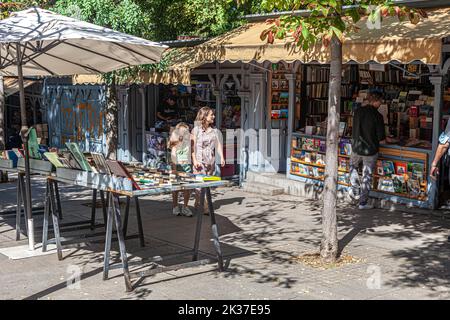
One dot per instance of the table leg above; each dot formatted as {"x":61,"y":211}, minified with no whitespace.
{"x":109,"y":230}
{"x":46,"y":216}
{"x":94,"y":204}
{"x":24,"y":199}
{"x":121,"y":238}
{"x":58,"y":200}
{"x":139,"y":222}
{"x":18,"y":209}
{"x":104,"y":207}
{"x":125,"y":219}
{"x":54,"y":209}
{"x":198,"y":229}
{"x":215,"y":231}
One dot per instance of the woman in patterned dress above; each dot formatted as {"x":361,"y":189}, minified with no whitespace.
{"x":207,"y":144}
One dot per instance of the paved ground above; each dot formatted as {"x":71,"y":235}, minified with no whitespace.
{"x":404,"y":255}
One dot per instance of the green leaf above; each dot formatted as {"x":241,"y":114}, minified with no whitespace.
{"x":305,"y":32}
{"x":281,"y":34}
{"x":337,"y":32}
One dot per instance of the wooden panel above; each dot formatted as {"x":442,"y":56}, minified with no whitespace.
{"x":404,"y":153}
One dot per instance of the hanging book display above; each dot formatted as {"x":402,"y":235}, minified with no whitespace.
{"x":156,"y":151}
{"x":33,"y":145}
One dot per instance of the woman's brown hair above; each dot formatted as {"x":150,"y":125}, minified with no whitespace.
{"x":201,"y":116}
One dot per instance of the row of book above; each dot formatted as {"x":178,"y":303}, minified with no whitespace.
{"x":318,"y":159}
{"x":401,"y":184}
{"x":317,"y":107}
{"x":317,"y":74}
{"x":413,"y":169}
{"x":350,"y":74}
{"x":320,"y":90}
{"x":322,"y":74}
{"x":280,"y":97}
{"x":319,"y":145}
{"x":317,"y":90}
{"x":317,"y":173}
{"x":309,"y":157}
{"x":305,"y":170}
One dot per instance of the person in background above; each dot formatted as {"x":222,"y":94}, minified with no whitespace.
{"x":207,"y":144}
{"x":168,"y":110}
{"x":368,"y":133}
{"x":444,"y":142}
{"x":180,"y":145}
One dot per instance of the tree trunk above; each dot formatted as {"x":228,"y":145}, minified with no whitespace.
{"x":2,"y":115}
{"x":329,"y":244}
{"x":111,"y":121}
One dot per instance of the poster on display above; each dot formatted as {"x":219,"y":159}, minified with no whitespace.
{"x":156,"y":147}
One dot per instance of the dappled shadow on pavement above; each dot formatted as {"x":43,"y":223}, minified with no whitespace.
{"x":415,"y":246}
{"x":165,"y":235}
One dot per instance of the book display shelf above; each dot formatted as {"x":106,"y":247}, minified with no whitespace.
{"x":279,"y":92}
{"x":308,"y":158}
{"x":407,"y":109}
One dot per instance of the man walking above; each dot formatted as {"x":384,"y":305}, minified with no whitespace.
{"x":368,"y":133}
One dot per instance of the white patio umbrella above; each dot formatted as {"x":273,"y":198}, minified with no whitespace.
{"x":37,"y":42}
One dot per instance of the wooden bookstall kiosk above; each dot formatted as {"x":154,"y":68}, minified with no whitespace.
{"x":402,"y":171}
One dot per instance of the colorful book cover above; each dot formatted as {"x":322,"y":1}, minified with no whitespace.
{"x":417,"y":170}
{"x":399,"y":183}
{"x":11,"y":155}
{"x":343,"y":177}
{"x":388,"y":168}
{"x":69,"y":160}
{"x":308,"y":144}
{"x":79,"y":156}
{"x":212,"y":178}
{"x":119,"y":170}
{"x":33,"y":145}
{"x":386,"y":184}
{"x":320,"y":159}
{"x":323,"y":146}
{"x":18,"y":152}
{"x":307,"y":157}
{"x":343,"y":164}
{"x":380,"y":169}
{"x":54,"y":159}
{"x":302,"y":169}
{"x":317,"y":144}
{"x":413,"y":187}
{"x":401,"y":168}
{"x":100,"y":163}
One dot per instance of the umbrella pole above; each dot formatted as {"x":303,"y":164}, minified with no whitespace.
{"x":24,"y":134}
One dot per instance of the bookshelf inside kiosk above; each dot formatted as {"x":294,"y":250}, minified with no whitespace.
{"x":402,"y":168}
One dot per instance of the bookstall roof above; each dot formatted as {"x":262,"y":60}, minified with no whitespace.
{"x":11,"y":85}
{"x":393,"y":41}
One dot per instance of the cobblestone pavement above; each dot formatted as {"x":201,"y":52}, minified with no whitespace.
{"x":404,"y":255}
